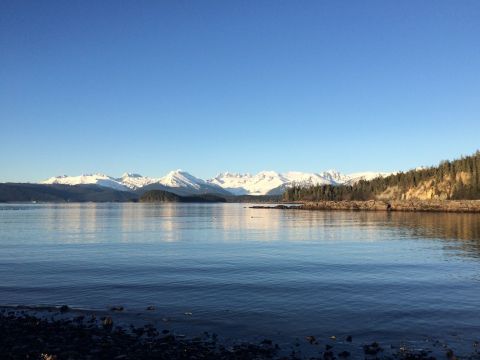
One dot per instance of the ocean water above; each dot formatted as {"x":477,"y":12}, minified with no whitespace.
{"x":250,"y":273}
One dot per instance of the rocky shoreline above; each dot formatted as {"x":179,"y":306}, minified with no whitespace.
{"x":66,"y":334}
{"x":26,"y":336}
{"x":452,"y":206}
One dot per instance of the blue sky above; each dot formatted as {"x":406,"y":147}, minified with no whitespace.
{"x":244,"y":86}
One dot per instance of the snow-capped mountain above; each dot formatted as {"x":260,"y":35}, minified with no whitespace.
{"x":136,"y":181}
{"x":368,"y":175}
{"x":246,"y":184}
{"x":183,"y":183}
{"x":273,"y":183}
{"x":88,"y":179}
{"x":180,"y":178}
{"x":179,"y":182}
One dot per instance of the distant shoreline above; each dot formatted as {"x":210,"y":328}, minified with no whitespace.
{"x":451,"y":206}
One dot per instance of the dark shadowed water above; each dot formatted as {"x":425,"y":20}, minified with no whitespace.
{"x":250,"y":272}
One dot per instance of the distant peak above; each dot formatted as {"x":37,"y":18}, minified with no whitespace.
{"x":232,"y":175}
{"x":95,"y":175}
{"x":131,"y":175}
{"x":176,"y":172}
{"x":269,"y":173}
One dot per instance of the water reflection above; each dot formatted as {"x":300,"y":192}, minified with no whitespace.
{"x":140,"y":223}
{"x":461,"y":230}
{"x":259,"y":269}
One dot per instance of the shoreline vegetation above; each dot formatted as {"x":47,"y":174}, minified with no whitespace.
{"x":450,"y":180}
{"x":452,"y":206}
{"x":62,"y":333}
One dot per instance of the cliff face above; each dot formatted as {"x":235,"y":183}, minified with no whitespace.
{"x":430,"y":189}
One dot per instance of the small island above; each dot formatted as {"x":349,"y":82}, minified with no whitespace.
{"x":162,"y":196}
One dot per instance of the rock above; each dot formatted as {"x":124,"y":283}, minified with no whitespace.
{"x":48,"y":357}
{"x":450,"y":354}
{"x":117,"y":308}
{"x":344,"y":354}
{"x":107,"y":322}
{"x":328,"y":355}
{"x":64,"y":308}
{"x":349,"y":338}
{"x":310,"y":339}
{"x":79,"y":319}
{"x":372,"y":349}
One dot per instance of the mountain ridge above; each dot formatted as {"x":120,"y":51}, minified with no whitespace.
{"x":183,"y":183}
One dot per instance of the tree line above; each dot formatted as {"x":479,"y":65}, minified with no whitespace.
{"x":461,"y":176}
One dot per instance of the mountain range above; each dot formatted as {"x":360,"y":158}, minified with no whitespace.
{"x":227,"y":184}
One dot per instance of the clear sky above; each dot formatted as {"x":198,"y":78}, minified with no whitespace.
{"x":209,"y":86}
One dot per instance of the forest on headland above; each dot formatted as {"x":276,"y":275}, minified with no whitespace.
{"x":159,"y":196}
{"x":450,"y":180}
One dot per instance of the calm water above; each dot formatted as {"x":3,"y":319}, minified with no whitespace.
{"x":250,"y":272}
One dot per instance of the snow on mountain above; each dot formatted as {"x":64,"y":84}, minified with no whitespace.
{"x":334,"y":177}
{"x":246,"y":184}
{"x":180,"y":178}
{"x":265,"y":182}
{"x":136,"y":181}
{"x":183,"y":183}
{"x":306,"y":179}
{"x":368,"y":175}
{"x":179,"y":182}
{"x":92,"y":179}
{"x":128,"y":181}
{"x":273,"y":183}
